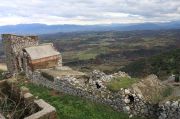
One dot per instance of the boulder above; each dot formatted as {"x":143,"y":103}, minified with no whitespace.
{"x":126,"y":109}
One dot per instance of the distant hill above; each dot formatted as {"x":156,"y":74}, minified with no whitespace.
{"x":162,"y":65}
{"x":46,"y":29}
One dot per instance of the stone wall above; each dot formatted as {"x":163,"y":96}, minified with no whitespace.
{"x":169,"y":110}
{"x":13,"y":45}
{"x":125,"y":100}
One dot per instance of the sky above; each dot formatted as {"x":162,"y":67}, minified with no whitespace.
{"x":88,"y":12}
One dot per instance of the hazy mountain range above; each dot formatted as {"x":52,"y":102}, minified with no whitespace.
{"x":46,"y":29}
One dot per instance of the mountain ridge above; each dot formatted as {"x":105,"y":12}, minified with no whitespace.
{"x":37,"y":28}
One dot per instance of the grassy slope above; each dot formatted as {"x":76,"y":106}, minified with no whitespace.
{"x":155,"y":95}
{"x":118,"y":83}
{"x":71,"y":107}
{"x":162,"y":65}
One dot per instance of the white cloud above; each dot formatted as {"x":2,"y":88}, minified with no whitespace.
{"x":88,"y":11}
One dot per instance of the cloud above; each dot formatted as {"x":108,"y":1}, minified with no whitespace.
{"x":88,"y":11}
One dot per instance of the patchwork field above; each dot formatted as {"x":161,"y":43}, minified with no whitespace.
{"x":112,"y":50}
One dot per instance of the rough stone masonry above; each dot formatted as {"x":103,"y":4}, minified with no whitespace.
{"x":126,"y":100}
{"x":13,"y":45}
{"x":24,"y":54}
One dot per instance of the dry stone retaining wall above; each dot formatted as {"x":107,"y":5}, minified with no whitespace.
{"x":125,"y":100}
{"x":169,"y":110}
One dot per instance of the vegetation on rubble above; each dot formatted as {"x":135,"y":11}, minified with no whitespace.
{"x":165,"y":94}
{"x":122,"y":82}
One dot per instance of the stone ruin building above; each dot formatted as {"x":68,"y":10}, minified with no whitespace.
{"x":24,"y":53}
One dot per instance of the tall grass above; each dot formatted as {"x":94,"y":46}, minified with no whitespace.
{"x":163,"y":95}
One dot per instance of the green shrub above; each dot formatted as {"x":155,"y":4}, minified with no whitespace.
{"x":122,"y":82}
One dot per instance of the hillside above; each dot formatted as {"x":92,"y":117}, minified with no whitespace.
{"x":162,"y":65}
{"x":109,"y":51}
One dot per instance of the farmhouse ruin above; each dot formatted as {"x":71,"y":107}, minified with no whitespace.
{"x":24,"y":53}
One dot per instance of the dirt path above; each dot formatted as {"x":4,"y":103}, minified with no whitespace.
{"x":3,"y":67}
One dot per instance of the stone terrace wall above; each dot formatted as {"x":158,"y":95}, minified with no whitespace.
{"x":169,"y":110}
{"x":125,"y":100}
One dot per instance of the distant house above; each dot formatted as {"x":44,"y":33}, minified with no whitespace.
{"x":24,"y":53}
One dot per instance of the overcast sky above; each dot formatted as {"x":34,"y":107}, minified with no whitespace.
{"x":88,"y":11}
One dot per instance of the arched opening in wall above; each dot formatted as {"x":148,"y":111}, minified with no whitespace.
{"x":97,"y":85}
{"x":131,"y":98}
